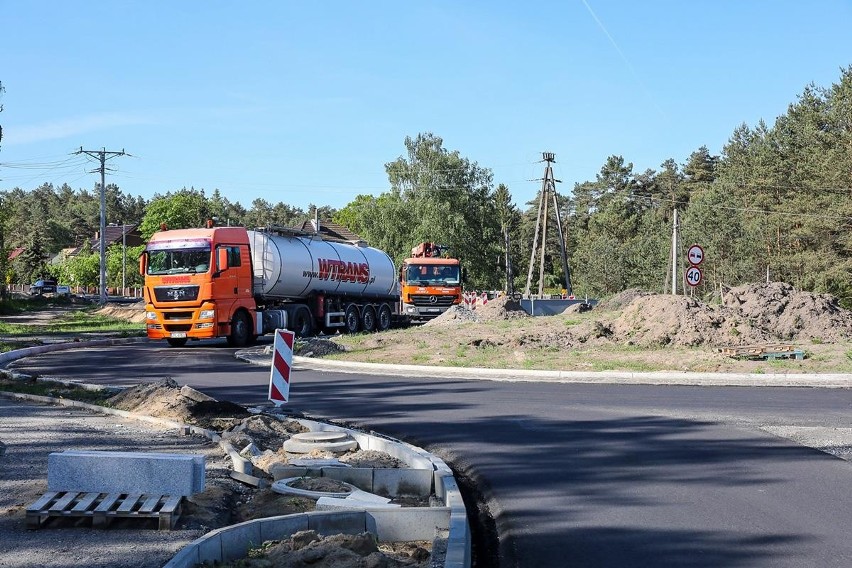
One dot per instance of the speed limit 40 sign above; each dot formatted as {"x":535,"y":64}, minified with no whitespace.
{"x":693,"y":276}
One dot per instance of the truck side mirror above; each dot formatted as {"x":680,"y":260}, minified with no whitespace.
{"x":143,"y":264}
{"x":463,"y":275}
{"x":221,"y":260}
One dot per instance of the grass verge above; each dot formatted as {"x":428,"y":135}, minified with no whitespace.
{"x":55,"y":389}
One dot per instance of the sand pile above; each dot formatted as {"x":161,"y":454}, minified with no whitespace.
{"x":502,"y":308}
{"x":789,"y":314}
{"x":454,"y":315}
{"x":663,"y":319}
{"x":750,"y":315}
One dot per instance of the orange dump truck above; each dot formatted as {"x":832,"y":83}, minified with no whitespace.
{"x":430,"y":282}
{"x":234,"y":283}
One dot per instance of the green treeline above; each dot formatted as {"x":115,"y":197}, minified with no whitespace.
{"x":775,"y":204}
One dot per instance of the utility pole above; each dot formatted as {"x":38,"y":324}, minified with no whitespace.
{"x":102,"y":156}
{"x":548,"y":191}
{"x":123,"y":258}
{"x":674,"y":253}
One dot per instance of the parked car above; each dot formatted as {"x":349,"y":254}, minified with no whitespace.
{"x":46,"y":286}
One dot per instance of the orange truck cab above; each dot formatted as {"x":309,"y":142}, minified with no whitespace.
{"x":198,"y":285}
{"x":430,"y":281}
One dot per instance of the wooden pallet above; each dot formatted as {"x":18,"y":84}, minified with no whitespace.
{"x":102,"y":508}
{"x":765,"y":352}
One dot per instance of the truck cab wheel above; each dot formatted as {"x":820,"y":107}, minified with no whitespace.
{"x":239,"y":330}
{"x":383,"y":321}
{"x":352,"y":319}
{"x":368,"y":318}
{"x":303,"y":322}
{"x":176,"y":342}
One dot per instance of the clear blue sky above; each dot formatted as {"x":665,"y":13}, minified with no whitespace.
{"x":304,"y":102}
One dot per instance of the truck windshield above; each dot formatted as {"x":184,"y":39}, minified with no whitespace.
{"x":179,"y":261}
{"x":433,"y":274}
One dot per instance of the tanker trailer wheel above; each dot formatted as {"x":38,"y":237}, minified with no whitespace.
{"x":303,"y":322}
{"x":352,"y":319}
{"x":176,"y":342}
{"x":239,"y":330}
{"x":368,"y":318}
{"x":384,"y":320}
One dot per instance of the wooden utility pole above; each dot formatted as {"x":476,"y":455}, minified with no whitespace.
{"x":102,"y":156}
{"x":548,"y":192}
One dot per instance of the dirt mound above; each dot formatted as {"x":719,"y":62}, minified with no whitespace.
{"x":789,"y":314}
{"x":371,"y":458}
{"x":454,"y":315}
{"x":307,"y":548}
{"x":128,"y":312}
{"x":621,"y":300}
{"x":265,"y":432}
{"x":662,"y":319}
{"x":502,"y":308}
{"x":750,"y":315}
{"x":314,"y":347}
{"x":164,"y":400}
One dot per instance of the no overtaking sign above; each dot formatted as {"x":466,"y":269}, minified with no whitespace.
{"x":695,"y":255}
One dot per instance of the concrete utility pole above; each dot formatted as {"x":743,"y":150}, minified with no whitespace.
{"x":548,"y":191}
{"x":102,"y":156}
{"x":674,"y":253}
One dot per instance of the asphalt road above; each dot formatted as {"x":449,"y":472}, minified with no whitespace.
{"x":576,"y":474}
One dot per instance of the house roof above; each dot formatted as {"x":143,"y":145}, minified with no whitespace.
{"x":113,"y":235}
{"x":331,"y":231}
{"x":14,"y":253}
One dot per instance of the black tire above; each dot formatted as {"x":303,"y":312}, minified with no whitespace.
{"x":383,"y":321}
{"x":352,"y":319}
{"x":368,"y":319}
{"x":176,"y":341}
{"x":303,"y":322}
{"x":240,"y":330}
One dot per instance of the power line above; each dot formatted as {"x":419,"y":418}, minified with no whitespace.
{"x":751,"y":209}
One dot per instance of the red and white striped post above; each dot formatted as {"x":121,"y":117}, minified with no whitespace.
{"x":282,"y":363}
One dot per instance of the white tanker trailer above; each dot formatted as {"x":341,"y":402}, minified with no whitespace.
{"x":348,"y":286}
{"x":234,"y":283}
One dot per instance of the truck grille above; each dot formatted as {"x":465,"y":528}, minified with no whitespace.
{"x":176,"y":293}
{"x":177,"y":315}
{"x":432,"y":300}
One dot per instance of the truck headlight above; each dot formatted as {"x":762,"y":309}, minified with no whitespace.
{"x":151,"y":316}
{"x":207,"y":314}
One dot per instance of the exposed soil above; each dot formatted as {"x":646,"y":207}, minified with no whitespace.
{"x":307,"y":548}
{"x":225,"y":501}
{"x":633,"y":330}
{"x":30,"y":431}
{"x":134,"y":312}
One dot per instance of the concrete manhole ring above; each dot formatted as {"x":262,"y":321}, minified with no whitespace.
{"x":283,"y":486}
{"x":306,"y":442}
{"x":313,"y":437}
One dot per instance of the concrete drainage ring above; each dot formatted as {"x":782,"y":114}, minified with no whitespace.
{"x":306,"y":442}
{"x":283,"y":486}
